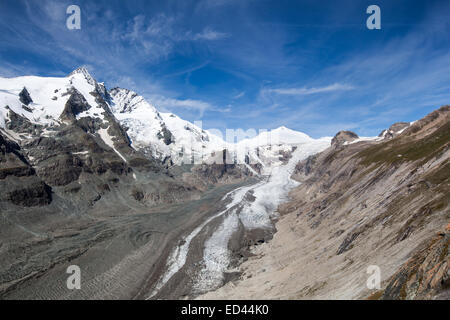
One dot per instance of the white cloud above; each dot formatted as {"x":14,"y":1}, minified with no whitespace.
{"x":209,"y":34}
{"x":307,"y":91}
{"x":212,"y":4}
{"x":158,"y":35}
{"x":171,"y":104}
{"x":239,"y":95}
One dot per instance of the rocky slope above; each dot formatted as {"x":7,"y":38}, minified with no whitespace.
{"x":382,"y":201}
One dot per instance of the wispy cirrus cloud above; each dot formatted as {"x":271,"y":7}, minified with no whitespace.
{"x":239,"y":95}
{"x":210,"y":34}
{"x":312,"y":90}
{"x":173,"y":105}
{"x":158,"y":36}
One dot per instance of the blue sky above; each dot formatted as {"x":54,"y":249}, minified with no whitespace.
{"x":312,"y":66}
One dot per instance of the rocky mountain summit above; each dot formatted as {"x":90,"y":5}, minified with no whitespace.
{"x":343,"y":137}
{"x":394,"y":130}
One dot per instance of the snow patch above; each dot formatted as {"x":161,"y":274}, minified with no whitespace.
{"x":81,"y":153}
{"x":108,"y":140}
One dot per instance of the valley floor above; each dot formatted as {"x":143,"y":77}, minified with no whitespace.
{"x":120,"y":254}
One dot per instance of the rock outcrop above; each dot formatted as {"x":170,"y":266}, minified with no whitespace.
{"x":426,"y":275}
{"x":25,"y":97}
{"x":74,"y":106}
{"x":18,"y":180}
{"x":394,"y":130}
{"x":343,"y":137}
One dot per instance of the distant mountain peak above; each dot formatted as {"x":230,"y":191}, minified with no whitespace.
{"x":85,"y":72}
{"x":283,"y":129}
{"x":81,"y":69}
{"x":286,"y":135}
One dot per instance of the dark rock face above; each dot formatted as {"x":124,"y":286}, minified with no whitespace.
{"x":18,"y":171}
{"x":20,"y":124}
{"x":75,"y":105}
{"x":306,"y":166}
{"x":60,"y":170}
{"x":18,"y":180}
{"x":90,"y":125}
{"x":424,"y":275}
{"x":343,"y":136}
{"x":166,"y":136}
{"x":286,"y":155}
{"x":12,"y":162}
{"x":31,"y":194}
{"x":100,"y":88}
{"x":62,"y":158}
{"x":25,"y":97}
{"x":347,"y":243}
{"x":122,"y":140}
{"x":220,"y":168}
{"x":138,"y":195}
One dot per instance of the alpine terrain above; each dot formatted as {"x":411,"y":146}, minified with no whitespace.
{"x":151,"y":206}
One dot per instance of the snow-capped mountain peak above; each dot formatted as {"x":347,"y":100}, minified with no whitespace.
{"x":85,"y":73}
{"x":281,"y":135}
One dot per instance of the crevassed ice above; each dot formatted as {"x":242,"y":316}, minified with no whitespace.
{"x":216,"y":256}
{"x":177,"y":258}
